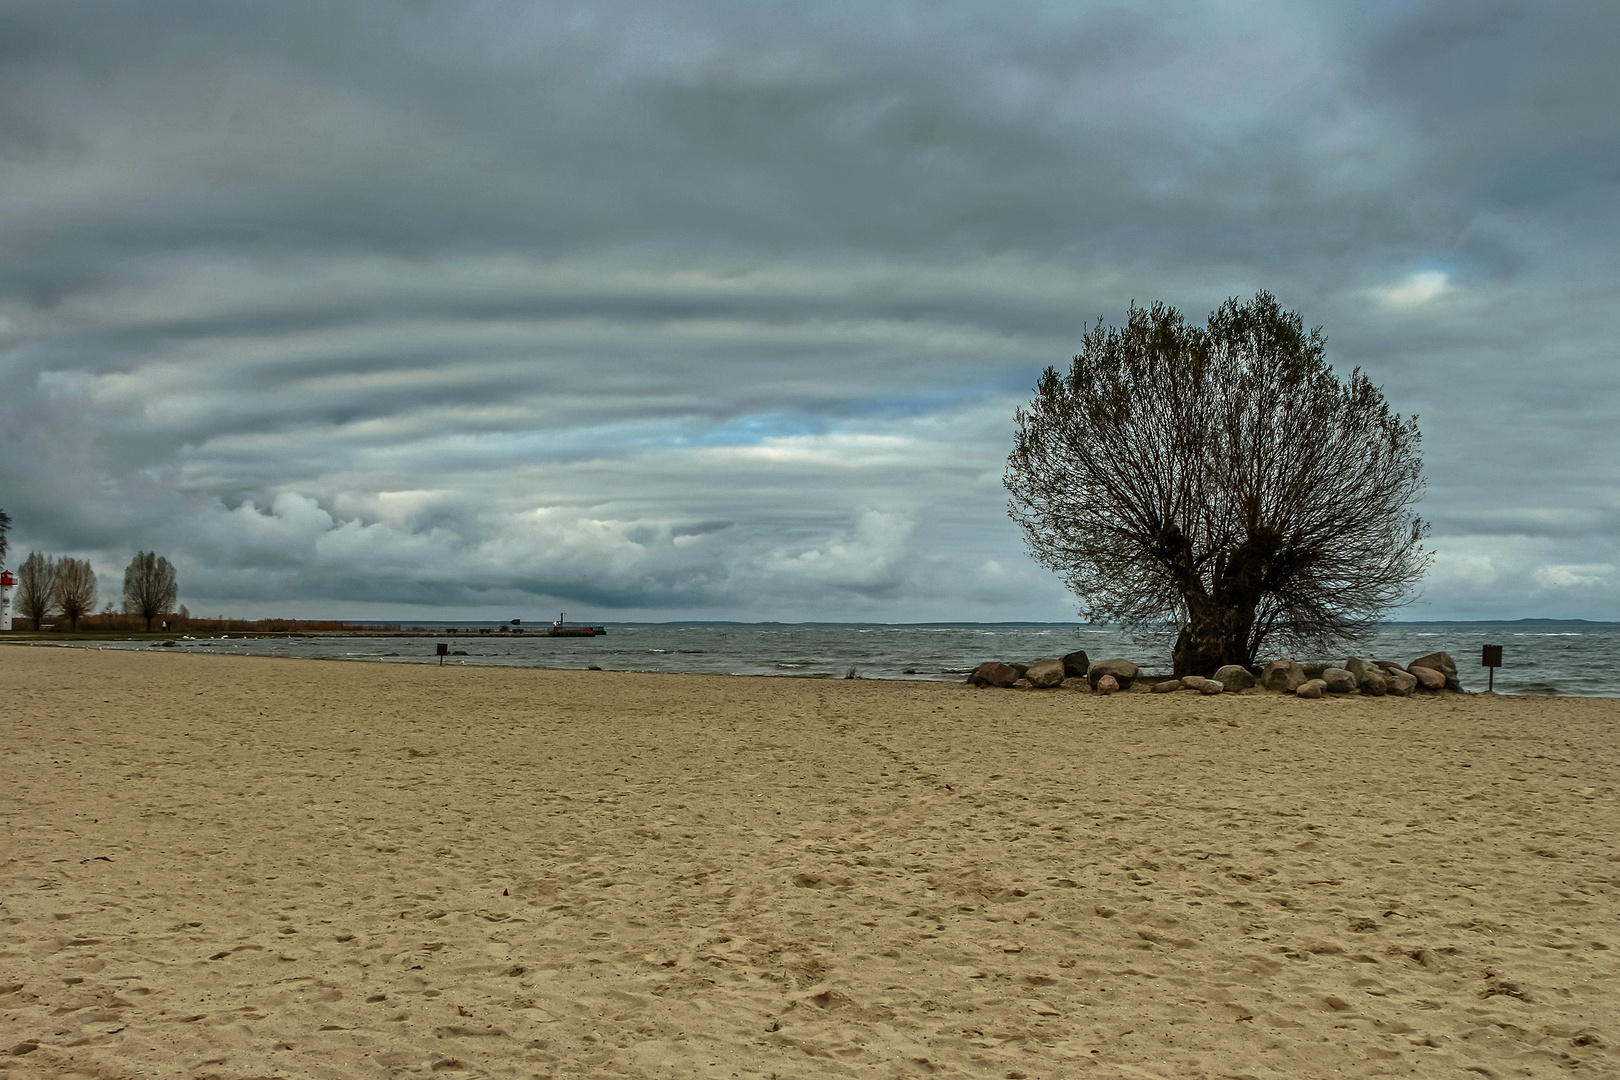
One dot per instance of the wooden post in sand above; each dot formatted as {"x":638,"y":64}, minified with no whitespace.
{"x":443,"y":648}
{"x":1492,"y":659}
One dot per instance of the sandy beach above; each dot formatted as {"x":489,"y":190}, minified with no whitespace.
{"x":233,"y":867}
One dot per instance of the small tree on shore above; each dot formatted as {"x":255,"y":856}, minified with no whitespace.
{"x":5,"y":529}
{"x":149,"y":587}
{"x":75,"y":591}
{"x":36,"y":587}
{"x":1222,"y":480}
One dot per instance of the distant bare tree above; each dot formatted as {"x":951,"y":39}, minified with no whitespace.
{"x":36,"y":587}
{"x":1222,"y":480}
{"x":5,"y":527}
{"x":149,"y":587}
{"x":75,"y":591}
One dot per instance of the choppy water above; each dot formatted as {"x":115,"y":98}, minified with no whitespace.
{"x":1538,"y":658}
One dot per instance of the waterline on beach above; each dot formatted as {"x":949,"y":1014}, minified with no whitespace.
{"x":1539,"y":658}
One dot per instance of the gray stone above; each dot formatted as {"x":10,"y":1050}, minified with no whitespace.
{"x":1441,"y":662}
{"x":1168,"y":686}
{"x":1234,"y":677}
{"x":1106,"y":684}
{"x":1044,"y":674}
{"x":1198,"y":682}
{"x":1338,"y":680}
{"x":1123,"y":671}
{"x":1427,"y":677}
{"x":1284,"y":676}
{"x":1311,"y":688}
{"x":993,"y":673}
{"x":1401,"y":683}
{"x":1075,"y":664}
{"x":1314,"y":671}
{"x":1372,"y":682}
{"x":1357,"y":667}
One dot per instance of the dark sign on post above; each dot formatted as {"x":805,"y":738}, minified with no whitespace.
{"x":1491,"y":658}
{"x":443,"y":649}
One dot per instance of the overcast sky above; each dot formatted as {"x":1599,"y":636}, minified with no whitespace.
{"x":722,"y":310}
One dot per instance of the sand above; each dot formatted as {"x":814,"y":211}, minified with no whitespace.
{"x":242,"y":867}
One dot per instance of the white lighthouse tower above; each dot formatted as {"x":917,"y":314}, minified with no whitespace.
{"x":7,"y":584}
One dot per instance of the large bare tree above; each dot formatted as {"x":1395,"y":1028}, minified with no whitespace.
{"x":5,"y":528}
{"x":1220,"y":480}
{"x":36,"y":588}
{"x":149,"y":587}
{"x":75,"y":591}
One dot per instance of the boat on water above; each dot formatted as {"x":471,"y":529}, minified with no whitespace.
{"x":562,"y":629}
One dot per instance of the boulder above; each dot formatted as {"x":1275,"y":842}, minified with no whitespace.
{"x":1044,"y":674}
{"x":1234,"y":677}
{"x":1284,"y":676}
{"x":1401,"y":683}
{"x":1388,"y":665}
{"x":1372,"y":682}
{"x":1357,"y":667}
{"x":1123,"y":671}
{"x":1020,"y":668}
{"x":1200,"y":684}
{"x":1427,"y":678}
{"x":993,"y":673}
{"x":1075,"y":664}
{"x":1338,"y":680}
{"x":1311,"y":688}
{"x":1107,"y":684}
{"x":1168,"y":686}
{"x":1441,"y":662}
{"x":1314,"y":671}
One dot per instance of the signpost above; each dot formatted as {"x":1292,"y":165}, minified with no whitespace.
{"x":443,"y":649}
{"x":1492,"y":658}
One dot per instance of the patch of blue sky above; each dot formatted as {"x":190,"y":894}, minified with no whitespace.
{"x":618,"y":439}
{"x":911,"y":406}
{"x":697,"y":432}
{"x":756,"y":429}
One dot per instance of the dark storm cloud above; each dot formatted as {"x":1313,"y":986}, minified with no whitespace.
{"x":725,"y":308}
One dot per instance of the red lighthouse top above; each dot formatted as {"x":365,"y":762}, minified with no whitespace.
{"x":6,"y":578}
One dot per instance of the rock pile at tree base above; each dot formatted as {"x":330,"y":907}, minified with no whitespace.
{"x":1370,"y":678}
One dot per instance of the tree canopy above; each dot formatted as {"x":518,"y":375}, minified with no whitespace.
{"x":1220,"y":479}
{"x":75,"y":589}
{"x":150,"y":589}
{"x":36,"y":587}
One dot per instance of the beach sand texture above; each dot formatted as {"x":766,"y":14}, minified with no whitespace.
{"x":248,"y":867}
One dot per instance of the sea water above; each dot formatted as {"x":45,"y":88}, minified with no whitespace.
{"x":1576,"y":659}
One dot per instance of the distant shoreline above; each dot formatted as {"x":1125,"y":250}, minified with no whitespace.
{"x":420,"y":628}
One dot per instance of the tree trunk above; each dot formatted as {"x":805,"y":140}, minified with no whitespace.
{"x":149,"y":624}
{"x":1220,"y":624}
{"x":1213,"y":638}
